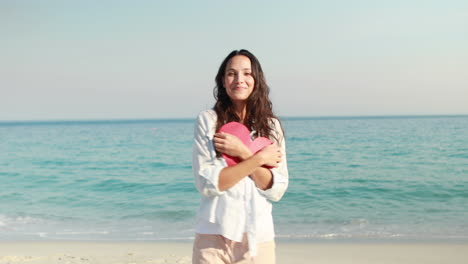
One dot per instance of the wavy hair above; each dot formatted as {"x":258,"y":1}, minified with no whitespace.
{"x":259,"y":115}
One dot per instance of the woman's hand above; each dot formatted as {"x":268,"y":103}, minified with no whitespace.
{"x":231,"y":145}
{"x":270,"y":155}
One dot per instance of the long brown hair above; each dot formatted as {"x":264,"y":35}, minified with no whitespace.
{"x":259,"y":115}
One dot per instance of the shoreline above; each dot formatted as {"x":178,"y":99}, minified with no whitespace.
{"x":90,"y":252}
{"x":278,"y":239}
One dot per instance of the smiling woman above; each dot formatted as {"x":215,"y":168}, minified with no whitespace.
{"x":238,"y":80}
{"x":235,"y":223}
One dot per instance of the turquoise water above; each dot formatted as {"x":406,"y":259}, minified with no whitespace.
{"x":388,"y":177}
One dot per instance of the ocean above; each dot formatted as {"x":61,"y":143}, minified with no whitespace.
{"x":382,"y":178}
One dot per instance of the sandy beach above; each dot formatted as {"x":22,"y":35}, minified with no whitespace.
{"x":291,"y":252}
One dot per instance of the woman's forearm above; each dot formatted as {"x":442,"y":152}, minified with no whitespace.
{"x":229,"y":176}
{"x":263,"y":178}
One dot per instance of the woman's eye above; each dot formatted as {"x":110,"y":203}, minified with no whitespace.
{"x":230,"y":74}
{"x":248,"y":73}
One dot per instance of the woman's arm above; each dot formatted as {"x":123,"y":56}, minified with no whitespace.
{"x":280,"y":174}
{"x":205,"y":165}
{"x":263,"y":178}
{"x":250,"y":165}
{"x":229,"y":176}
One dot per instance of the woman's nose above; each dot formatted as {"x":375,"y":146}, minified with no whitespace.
{"x":239,"y":78}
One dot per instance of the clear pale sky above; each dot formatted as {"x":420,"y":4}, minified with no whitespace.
{"x":157,"y":59}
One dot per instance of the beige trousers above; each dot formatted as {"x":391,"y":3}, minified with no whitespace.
{"x":216,"y":249}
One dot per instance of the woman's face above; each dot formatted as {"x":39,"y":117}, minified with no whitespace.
{"x":238,"y":79}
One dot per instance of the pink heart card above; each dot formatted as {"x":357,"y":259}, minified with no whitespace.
{"x":242,"y":132}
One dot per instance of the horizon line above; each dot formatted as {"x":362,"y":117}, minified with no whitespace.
{"x":124,"y":120}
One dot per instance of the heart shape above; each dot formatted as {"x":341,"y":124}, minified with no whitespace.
{"x":242,"y":132}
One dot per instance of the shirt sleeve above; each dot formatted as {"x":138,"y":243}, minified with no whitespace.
{"x":205,"y":165}
{"x":280,"y":174}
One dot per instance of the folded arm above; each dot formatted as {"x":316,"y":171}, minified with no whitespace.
{"x":251,"y":164}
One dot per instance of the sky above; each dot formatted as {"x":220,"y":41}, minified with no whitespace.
{"x":81,"y":60}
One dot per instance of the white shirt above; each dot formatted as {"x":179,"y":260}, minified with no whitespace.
{"x":241,"y":208}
